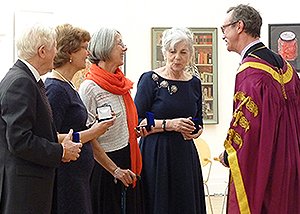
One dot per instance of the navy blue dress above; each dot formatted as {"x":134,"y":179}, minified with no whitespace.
{"x":171,"y":174}
{"x":72,"y":193}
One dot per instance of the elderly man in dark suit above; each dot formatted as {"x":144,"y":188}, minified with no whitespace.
{"x":29,"y":148}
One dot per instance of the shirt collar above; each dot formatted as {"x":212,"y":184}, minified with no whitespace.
{"x":247,"y":48}
{"x":35,"y":73}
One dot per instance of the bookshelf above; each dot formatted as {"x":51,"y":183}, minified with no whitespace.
{"x":205,"y":63}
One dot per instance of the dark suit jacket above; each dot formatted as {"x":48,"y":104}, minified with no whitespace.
{"x":29,"y":151}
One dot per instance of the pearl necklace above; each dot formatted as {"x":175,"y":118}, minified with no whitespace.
{"x":63,"y":78}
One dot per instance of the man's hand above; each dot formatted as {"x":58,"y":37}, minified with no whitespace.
{"x":71,"y":150}
{"x":222,"y":159}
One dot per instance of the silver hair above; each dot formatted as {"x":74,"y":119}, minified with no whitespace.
{"x":33,"y":38}
{"x":173,"y":36}
{"x":101,"y":45}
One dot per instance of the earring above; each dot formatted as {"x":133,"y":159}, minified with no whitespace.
{"x":70,"y":60}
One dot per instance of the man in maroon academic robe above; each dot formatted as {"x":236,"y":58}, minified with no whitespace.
{"x":262,"y":147}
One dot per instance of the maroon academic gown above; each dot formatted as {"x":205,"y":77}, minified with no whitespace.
{"x":263,"y":142}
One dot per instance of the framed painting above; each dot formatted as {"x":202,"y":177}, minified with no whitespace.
{"x":284,"y":40}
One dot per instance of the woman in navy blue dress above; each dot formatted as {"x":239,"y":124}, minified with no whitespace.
{"x":72,"y":188}
{"x":171,"y":174}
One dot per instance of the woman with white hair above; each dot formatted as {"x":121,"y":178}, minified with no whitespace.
{"x":172,"y":178}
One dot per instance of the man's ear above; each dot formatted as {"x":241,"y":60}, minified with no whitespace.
{"x":240,"y":26}
{"x":42,"y":51}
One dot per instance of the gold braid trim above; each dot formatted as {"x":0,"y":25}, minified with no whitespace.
{"x":286,"y":77}
{"x":280,"y":71}
{"x":239,"y":96}
{"x":254,"y":55}
{"x":244,"y":123}
{"x":241,"y":120}
{"x":243,"y":102}
{"x":279,"y":76}
{"x":236,"y":175}
{"x":252,"y":107}
{"x":235,"y":137}
{"x":237,"y":115}
{"x":250,"y":104}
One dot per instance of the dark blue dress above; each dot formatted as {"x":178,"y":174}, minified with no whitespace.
{"x":72,"y":193}
{"x":171,"y":172}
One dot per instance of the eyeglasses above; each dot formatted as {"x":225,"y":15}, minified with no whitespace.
{"x":225,"y":26}
{"x":122,"y":44}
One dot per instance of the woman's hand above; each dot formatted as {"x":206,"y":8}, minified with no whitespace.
{"x":141,"y":130}
{"x":183,"y":125}
{"x":101,"y":127}
{"x":125,"y":175}
{"x":190,"y":136}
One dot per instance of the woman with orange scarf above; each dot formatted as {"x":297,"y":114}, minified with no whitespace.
{"x":106,"y":85}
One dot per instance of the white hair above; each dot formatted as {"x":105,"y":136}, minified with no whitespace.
{"x":33,"y":38}
{"x":175,"y":35}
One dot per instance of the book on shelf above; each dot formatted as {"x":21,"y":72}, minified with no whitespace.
{"x":207,"y":77}
{"x":207,"y":92}
{"x":203,"y":39}
{"x":208,"y":107}
{"x":205,"y":69}
{"x":203,"y":57}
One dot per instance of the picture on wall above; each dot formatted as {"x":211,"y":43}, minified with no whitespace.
{"x":284,"y":40}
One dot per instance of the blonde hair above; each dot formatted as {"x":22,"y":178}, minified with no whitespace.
{"x":69,"y":40}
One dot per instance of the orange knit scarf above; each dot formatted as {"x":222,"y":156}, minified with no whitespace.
{"x":117,"y":83}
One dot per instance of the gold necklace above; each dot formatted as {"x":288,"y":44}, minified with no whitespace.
{"x":61,"y":76}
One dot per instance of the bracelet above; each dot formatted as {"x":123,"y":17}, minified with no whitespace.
{"x":115,"y":174}
{"x":163,"y":125}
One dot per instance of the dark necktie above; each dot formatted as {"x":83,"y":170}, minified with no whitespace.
{"x":44,"y":97}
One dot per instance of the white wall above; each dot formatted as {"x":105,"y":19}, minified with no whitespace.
{"x":134,"y":19}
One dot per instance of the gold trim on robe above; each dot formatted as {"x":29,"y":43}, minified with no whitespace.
{"x":286,"y":77}
{"x":236,"y":172}
{"x":234,"y":137}
{"x":239,"y":118}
